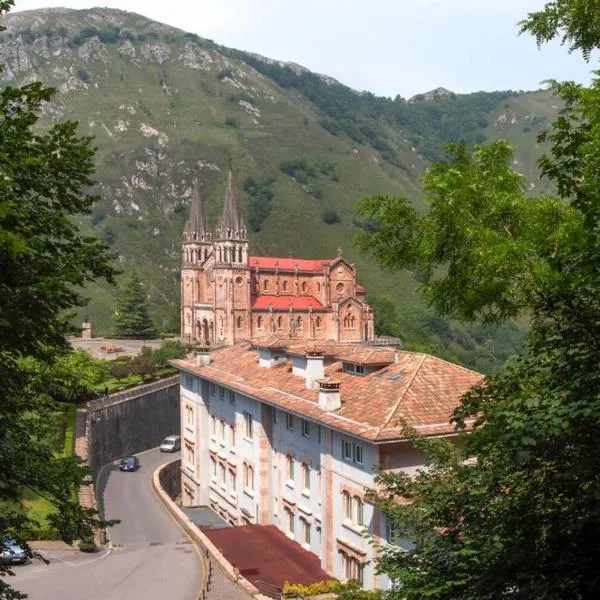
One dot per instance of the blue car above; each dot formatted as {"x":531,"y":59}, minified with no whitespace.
{"x":11,"y":552}
{"x":129,"y":463}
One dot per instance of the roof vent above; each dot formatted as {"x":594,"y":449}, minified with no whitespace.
{"x":329,"y":394}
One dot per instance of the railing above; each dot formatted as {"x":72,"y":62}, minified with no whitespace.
{"x":208,"y":573}
{"x":268,"y":588}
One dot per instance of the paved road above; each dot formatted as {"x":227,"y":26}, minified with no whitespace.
{"x":151,"y":558}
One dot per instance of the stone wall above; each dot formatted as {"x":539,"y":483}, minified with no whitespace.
{"x":132,"y":421}
{"x":170,"y":479}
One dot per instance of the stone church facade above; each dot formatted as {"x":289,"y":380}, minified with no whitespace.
{"x":227,"y":295}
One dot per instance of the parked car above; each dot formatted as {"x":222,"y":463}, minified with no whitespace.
{"x":171,"y":443}
{"x":129,"y":463}
{"x":11,"y":552}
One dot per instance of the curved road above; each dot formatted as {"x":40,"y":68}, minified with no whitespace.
{"x":151,"y":557}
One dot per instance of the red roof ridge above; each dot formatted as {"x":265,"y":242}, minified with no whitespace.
{"x":401,"y":397}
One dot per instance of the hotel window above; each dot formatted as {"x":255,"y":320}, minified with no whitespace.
{"x":274,"y":413}
{"x":248,"y":477}
{"x":305,"y":428}
{"x":213,"y":468}
{"x":233,"y":482}
{"x":289,"y":421}
{"x":213,"y":425}
{"x":289,"y":515}
{"x":213,"y":389}
{"x":222,"y":431}
{"x":306,"y":476}
{"x":305,"y":530}
{"x":289,"y":463}
{"x":352,"y":452}
{"x":231,"y":397}
{"x":189,"y":414}
{"x":358,"y":510}
{"x":352,"y":568}
{"x":189,"y":454}
{"x":347,"y":505}
{"x":222,"y":393}
{"x":232,"y":435}
{"x":222,"y":474}
{"x":248,"y":425}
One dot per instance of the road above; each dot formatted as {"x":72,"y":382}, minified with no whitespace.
{"x":151,"y":557}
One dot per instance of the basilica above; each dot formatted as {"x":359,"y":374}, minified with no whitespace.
{"x":228,"y":295}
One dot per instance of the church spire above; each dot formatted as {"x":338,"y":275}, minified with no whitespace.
{"x":231,"y":218}
{"x":231,"y":225}
{"x":194,"y":227}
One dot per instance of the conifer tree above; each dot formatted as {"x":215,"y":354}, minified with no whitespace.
{"x":132,"y":318}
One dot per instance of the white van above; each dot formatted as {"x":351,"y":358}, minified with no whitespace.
{"x":171,"y":444}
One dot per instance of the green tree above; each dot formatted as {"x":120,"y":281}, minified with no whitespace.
{"x":512,"y":511}
{"x":132,"y":319}
{"x":44,"y":262}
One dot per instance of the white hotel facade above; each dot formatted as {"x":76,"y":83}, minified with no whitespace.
{"x":285,"y":433}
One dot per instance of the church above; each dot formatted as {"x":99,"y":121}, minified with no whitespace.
{"x":228,"y":295}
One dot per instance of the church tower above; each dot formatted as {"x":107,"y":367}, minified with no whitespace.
{"x":196,"y":253}
{"x":231,"y":273}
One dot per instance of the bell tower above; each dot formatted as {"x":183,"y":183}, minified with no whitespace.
{"x":197,"y":251}
{"x":231,"y":272}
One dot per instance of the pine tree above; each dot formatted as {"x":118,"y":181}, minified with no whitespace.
{"x":133,"y":319}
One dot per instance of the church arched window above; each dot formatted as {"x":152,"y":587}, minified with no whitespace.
{"x":279,"y":322}
{"x":352,"y":321}
{"x":239,"y":322}
{"x":259,"y":322}
{"x":304,"y":286}
{"x":240,"y":254}
{"x":346,"y":322}
{"x":318,"y":323}
{"x":318,"y":287}
{"x":299,"y":322}
{"x":284,"y":285}
{"x":266,"y":285}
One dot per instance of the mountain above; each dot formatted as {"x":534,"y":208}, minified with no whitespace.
{"x":165,"y":106}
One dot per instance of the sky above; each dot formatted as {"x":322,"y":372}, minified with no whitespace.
{"x":387,"y":47}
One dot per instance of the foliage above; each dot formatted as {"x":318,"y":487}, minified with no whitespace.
{"x":319,"y":587}
{"x":144,"y":364}
{"x":331,"y":216}
{"x":132,"y":318}
{"x":261,"y":199}
{"x":512,"y":511}
{"x":169,"y":350}
{"x":44,"y":261}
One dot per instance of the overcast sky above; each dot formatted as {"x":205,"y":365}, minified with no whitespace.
{"x":387,"y":47}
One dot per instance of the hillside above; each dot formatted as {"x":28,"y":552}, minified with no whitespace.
{"x":166,"y":106}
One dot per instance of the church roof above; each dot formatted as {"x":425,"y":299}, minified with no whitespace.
{"x":195,"y":223}
{"x":231,"y":218}
{"x":266,"y":301}
{"x":287,"y":264}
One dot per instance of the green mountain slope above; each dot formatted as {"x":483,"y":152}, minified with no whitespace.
{"x":165,"y":107}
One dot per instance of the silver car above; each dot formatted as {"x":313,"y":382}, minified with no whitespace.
{"x":171,"y":443}
{"x":11,"y":551}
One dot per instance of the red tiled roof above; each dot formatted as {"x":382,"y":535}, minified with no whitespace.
{"x":265,"y":301}
{"x":287,"y":264}
{"x":417,"y":390}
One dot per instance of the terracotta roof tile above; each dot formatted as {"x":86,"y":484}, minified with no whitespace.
{"x":287,"y":264}
{"x":418,"y":390}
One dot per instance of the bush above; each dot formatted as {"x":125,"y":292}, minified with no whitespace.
{"x":120,"y":370}
{"x":331,"y":216}
{"x":314,"y":589}
{"x":224,"y":73}
{"x":170,"y":349}
{"x":83,"y":75}
{"x":88,"y":545}
{"x":231,"y":122}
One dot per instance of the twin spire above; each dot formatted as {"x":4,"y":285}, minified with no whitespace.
{"x":231,"y":225}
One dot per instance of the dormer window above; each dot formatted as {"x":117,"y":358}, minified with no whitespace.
{"x":353,"y":369}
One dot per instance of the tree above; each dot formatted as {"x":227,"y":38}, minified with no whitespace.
{"x":44,"y":262}
{"x":132,"y":319}
{"x":512,"y":511}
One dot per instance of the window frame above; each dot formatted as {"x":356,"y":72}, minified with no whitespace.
{"x":248,"y":426}
{"x":306,"y":428}
{"x":290,"y":425}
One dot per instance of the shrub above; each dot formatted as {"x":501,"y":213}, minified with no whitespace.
{"x":331,"y":216}
{"x":120,"y":370}
{"x":231,"y":122}
{"x":170,"y":349}
{"x":83,"y":75}
{"x":88,"y":545}
{"x":319,"y":587}
{"x":223,"y":73}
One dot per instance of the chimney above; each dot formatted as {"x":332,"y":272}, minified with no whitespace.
{"x":314,"y":368}
{"x":329,"y":394}
{"x":202,"y":358}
